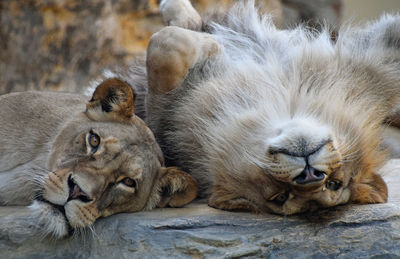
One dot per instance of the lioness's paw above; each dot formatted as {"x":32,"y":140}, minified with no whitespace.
{"x":176,"y":188}
{"x":180,"y":13}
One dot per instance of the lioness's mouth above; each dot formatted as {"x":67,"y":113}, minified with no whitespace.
{"x":75,"y":191}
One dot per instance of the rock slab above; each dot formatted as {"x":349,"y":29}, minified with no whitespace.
{"x":198,"y":231}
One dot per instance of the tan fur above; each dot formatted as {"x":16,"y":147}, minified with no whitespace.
{"x":179,"y":187}
{"x":47,"y":157}
{"x":170,"y":56}
{"x":185,"y":16}
{"x":275,"y":121}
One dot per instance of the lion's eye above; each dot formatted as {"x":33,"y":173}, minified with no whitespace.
{"x":129,"y":182}
{"x":94,"y":140}
{"x":333,"y":185}
{"x":280,"y":198}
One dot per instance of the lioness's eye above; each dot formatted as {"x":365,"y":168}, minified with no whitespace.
{"x":280,"y":198}
{"x":94,"y":140}
{"x":129,"y":182}
{"x":333,"y":185}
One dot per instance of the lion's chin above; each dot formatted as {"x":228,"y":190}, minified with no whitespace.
{"x":51,"y":218}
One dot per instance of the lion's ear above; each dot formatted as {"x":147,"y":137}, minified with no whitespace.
{"x":176,"y":188}
{"x":369,"y":189}
{"x":113,"y":99}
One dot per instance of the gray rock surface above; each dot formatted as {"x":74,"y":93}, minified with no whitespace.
{"x":198,"y":231}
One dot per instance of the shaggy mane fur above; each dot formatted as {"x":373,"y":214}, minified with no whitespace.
{"x":218,"y":123}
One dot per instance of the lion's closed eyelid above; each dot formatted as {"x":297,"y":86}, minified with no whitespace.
{"x":274,"y":196}
{"x":129,"y":182}
{"x":333,"y":184}
{"x":122,"y":177}
{"x":281,"y":197}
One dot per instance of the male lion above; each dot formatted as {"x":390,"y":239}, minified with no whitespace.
{"x":269,"y":120}
{"x":79,"y":164}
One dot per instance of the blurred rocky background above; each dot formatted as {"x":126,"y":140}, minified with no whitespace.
{"x":61,"y":45}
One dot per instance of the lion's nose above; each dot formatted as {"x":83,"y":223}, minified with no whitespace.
{"x":309,"y":175}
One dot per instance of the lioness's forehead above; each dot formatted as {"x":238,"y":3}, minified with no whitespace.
{"x":134,"y":136}
{"x":128,"y":133}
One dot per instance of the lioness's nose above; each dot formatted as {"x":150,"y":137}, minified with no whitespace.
{"x":75,"y":192}
{"x":309,"y":175}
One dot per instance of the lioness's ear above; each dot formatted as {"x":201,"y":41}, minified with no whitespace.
{"x":176,"y":188}
{"x":113,"y":99}
{"x":370,"y":189}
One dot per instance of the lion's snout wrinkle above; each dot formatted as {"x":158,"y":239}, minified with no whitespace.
{"x":303,"y":149}
{"x":300,"y":154}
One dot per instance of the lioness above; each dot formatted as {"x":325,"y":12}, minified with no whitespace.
{"x":82,"y":160}
{"x":269,"y":120}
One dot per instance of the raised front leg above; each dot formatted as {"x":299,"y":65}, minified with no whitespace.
{"x":180,"y":13}
{"x":172,"y":52}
